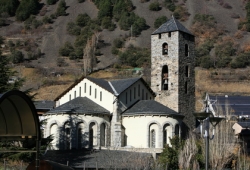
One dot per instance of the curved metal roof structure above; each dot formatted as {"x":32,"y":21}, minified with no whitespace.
{"x":18,"y":117}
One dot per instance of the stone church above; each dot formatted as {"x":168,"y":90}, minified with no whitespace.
{"x":128,"y":113}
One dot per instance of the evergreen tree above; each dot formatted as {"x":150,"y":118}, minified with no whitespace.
{"x":26,"y":8}
{"x":5,"y":74}
{"x":169,"y":157}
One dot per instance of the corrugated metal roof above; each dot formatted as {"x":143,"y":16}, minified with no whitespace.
{"x":148,"y":107}
{"x":80,"y":105}
{"x":170,"y":26}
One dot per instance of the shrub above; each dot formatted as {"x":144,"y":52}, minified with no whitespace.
{"x":9,"y":6}
{"x":10,"y":44}
{"x":135,"y":57}
{"x":241,"y":61}
{"x":82,"y":20}
{"x":105,"y":9}
{"x":81,"y":1}
{"x":106,"y":22}
{"x":61,"y":9}
{"x":51,"y":2}
{"x":170,"y":5}
{"x":47,"y":20}
{"x":118,"y":43}
{"x":206,"y":20}
{"x":17,"y":56}
{"x":206,"y":62}
{"x":26,"y":8}
{"x":154,"y":6}
{"x":61,"y":62}
{"x":66,"y":49}
{"x":159,"y":21}
{"x":73,"y":29}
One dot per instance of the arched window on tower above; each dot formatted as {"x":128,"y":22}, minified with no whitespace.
{"x":186,"y":50}
{"x":165,"y":49}
{"x":165,"y":78}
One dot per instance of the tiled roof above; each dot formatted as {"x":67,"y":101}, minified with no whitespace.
{"x":80,"y":105}
{"x":113,"y":86}
{"x":170,"y":26}
{"x":123,"y":84}
{"x":240,"y":105}
{"x":44,"y":105}
{"x":149,"y":107}
{"x":102,"y":83}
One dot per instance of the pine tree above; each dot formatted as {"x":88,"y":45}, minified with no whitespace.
{"x":5,"y":74}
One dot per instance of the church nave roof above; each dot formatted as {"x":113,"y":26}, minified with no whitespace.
{"x":80,"y":105}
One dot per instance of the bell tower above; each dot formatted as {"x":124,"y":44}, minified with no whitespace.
{"x":172,"y":68}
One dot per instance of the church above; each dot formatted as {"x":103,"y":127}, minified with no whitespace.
{"x":128,"y":113}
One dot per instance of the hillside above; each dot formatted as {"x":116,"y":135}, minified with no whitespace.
{"x":48,"y":79}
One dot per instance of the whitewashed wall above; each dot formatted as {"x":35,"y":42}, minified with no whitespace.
{"x":137,"y":129}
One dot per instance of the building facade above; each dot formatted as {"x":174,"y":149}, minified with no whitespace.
{"x":127,"y":113}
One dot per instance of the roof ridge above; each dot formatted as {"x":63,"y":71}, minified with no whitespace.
{"x":113,"y":88}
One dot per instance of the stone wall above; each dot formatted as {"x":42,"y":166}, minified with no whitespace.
{"x":180,"y":94}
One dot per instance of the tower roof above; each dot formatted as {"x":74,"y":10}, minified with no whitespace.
{"x":170,"y":26}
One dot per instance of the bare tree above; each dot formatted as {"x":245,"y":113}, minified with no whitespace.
{"x":89,"y":57}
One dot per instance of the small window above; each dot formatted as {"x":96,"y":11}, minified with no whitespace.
{"x":187,"y":71}
{"x":165,"y":49}
{"x":139,"y":88}
{"x":186,"y":50}
{"x":159,"y":36}
{"x":84,"y":87}
{"x":152,"y":138}
{"x":186,"y":87}
{"x":126,"y":97}
{"x":90,"y":90}
{"x":130,"y":95}
{"x":80,"y":91}
{"x":74,"y":94}
{"x":95,"y":93}
{"x":100,"y":96}
{"x":169,"y":34}
{"x":70,"y":97}
{"x":134,"y":92}
{"x":165,"y":78}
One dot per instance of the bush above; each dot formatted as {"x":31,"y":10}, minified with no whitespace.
{"x":135,"y":57}
{"x":82,"y":20}
{"x":105,"y":9}
{"x":9,"y":6}
{"x":241,"y":61}
{"x":154,"y":6}
{"x":206,"y":62}
{"x":81,"y":1}
{"x":73,"y":29}
{"x":159,"y":21}
{"x":51,"y":2}
{"x":128,"y":19}
{"x":206,"y":20}
{"x":47,"y":20}
{"x":17,"y":57}
{"x":118,"y":43}
{"x":66,"y":49}
{"x":26,"y":8}
{"x":170,"y":5}
{"x":61,"y":9}
{"x":61,"y":62}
